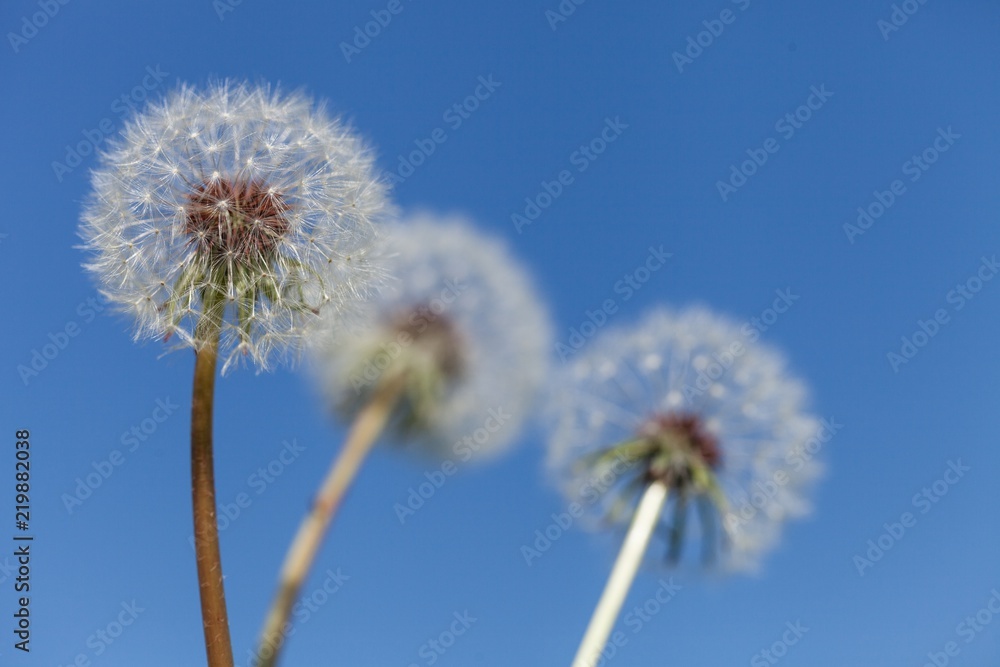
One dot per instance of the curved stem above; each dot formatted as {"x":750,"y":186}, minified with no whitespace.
{"x":622,"y":575}
{"x":368,"y":424}
{"x":206,"y":531}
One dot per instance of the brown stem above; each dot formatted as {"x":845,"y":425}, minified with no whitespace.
{"x":206,"y":533}
{"x":367,"y":426}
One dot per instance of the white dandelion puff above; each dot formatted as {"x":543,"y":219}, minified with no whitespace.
{"x":685,"y":394}
{"x":694,"y":417}
{"x":461,"y":321}
{"x":237,"y":203}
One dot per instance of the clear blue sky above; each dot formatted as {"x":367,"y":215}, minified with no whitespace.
{"x":679,"y":133}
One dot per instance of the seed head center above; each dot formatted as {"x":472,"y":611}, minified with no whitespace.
{"x":683,"y":442}
{"x":433,"y":334}
{"x":241,"y":219}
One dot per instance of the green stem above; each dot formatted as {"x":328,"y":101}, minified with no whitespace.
{"x":206,"y":533}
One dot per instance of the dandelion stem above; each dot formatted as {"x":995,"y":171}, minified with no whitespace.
{"x":368,"y":424}
{"x":622,"y":574}
{"x":206,"y":532}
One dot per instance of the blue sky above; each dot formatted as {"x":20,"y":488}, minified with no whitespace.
{"x":926,"y":90}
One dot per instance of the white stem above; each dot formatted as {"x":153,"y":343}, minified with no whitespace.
{"x":622,"y":575}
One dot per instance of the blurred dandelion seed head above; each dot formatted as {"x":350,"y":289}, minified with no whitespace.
{"x":687,"y":399}
{"x":460,"y":323}
{"x":240,"y":196}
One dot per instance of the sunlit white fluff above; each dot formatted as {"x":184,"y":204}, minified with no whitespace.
{"x":697,"y":363}
{"x":488,"y":357}
{"x":303,"y":164}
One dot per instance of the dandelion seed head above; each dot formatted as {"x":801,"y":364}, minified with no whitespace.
{"x":687,"y":399}
{"x":461,"y":320}
{"x":240,"y":191}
